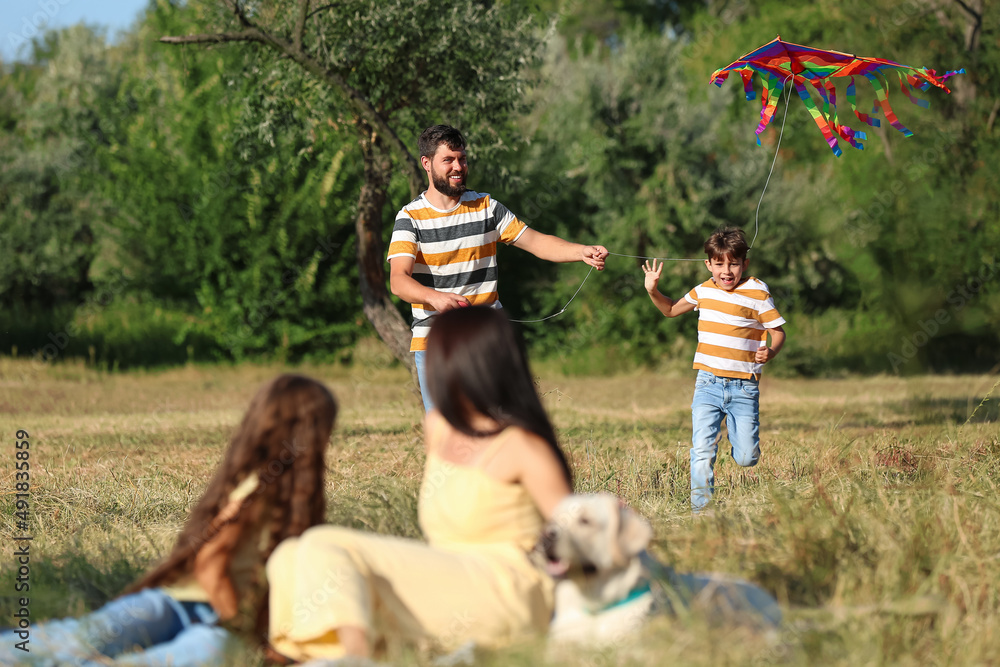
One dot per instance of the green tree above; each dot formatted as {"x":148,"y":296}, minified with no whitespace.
{"x":50,"y":214}
{"x":227,"y":199}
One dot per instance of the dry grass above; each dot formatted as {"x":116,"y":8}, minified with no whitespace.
{"x":873,"y":515}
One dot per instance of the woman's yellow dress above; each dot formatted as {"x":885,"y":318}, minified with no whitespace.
{"x":472,"y":580}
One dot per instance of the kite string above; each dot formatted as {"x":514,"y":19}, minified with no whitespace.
{"x":777,"y":148}
{"x":563,"y":309}
{"x":662,"y":259}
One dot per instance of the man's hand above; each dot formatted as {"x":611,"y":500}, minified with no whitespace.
{"x":594,"y":256}
{"x":652,"y":271}
{"x":445,"y":301}
{"x":403,"y":285}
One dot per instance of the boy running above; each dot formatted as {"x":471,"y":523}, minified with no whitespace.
{"x":736,"y":312}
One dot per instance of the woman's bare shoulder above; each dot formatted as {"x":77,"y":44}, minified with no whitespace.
{"x":525,"y":443}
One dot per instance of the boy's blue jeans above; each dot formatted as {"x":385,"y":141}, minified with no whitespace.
{"x":144,"y":629}
{"x":716,"y":398}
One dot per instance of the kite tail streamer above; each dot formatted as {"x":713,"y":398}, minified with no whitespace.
{"x":830,"y":102}
{"x":908,"y":89}
{"x":824,"y":94}
{"x":773,"y":87}
{"x":747,"y":77}
{"x":828,"y":91}
{"x":930,"y":77}
{"x":918,"y":82}
{"x":849,"y":134}
{"x":852,"y":97}
{"x":882,"y":100}
{"x":817,"y":115}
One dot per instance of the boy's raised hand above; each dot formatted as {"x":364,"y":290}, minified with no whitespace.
{"x":652,"y":272}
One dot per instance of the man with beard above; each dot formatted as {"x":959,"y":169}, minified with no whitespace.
{"x":443,"y":249}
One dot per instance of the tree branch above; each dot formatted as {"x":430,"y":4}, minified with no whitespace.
{"x":319,"y":9}
{"x":217,"y":38}
{"x":972,"y":31}
{"x":364,"y":108}
{"x":976,"y":15}
{"x":300,"y":25}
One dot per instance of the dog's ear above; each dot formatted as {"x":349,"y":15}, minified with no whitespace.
{"x":634,"y":532}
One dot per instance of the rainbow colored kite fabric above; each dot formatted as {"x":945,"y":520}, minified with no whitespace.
{"x":777,"y":62}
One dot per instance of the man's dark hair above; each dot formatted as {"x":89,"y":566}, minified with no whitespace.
{"x":728,"y":242}
{"x":435,"y":135}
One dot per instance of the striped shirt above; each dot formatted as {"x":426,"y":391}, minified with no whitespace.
{"x":453,"y":251}
{"x":731,"y":326}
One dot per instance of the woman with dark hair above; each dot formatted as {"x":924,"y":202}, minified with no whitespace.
{"x":493,"y":475}
{"x":268,"y":487}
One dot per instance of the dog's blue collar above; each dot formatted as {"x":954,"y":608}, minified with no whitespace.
{"x":633,"y":594}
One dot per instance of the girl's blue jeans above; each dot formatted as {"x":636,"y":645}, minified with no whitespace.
{"x":715,"y":398}
{"x":144,"y":629}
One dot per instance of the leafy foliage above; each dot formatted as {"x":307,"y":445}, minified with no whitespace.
{"x":50,"y":217}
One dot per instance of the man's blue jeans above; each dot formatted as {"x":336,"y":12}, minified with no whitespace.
{"x":144,"y":629}
{"x":716,"y":398}
{"x":421,"y":363}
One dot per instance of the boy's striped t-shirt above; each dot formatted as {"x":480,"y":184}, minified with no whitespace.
{"x":453,"y":251}
{"x":731,"y":326}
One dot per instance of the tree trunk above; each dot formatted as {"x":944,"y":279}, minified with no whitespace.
{"x":378,"y":307}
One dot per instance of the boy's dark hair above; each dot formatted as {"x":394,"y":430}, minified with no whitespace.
{"x":728,"y":242}
{"x":435,"y":135}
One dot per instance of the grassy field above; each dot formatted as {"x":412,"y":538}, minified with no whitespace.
{"x":873,"y":515}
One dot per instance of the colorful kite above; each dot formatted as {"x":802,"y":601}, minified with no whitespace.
{"x":777,"y":62}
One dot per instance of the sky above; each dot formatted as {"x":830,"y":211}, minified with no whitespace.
{"x":22,"y":19}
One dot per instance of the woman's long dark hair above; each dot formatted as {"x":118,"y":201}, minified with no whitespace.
{"x":283,"y":439}
{"x":476,"y":363}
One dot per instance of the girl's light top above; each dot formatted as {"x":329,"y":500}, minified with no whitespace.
{"x":461,"y":506}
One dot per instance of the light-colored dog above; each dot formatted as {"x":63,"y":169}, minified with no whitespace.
{"x":608,"y":586}
{"x":591,"y":546}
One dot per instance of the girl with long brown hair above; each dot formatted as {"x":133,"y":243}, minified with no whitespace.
{"x":211,"y":586}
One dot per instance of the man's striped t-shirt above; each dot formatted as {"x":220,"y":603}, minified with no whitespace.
{"x":454,"y":251}
{"x":731,"y":326}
